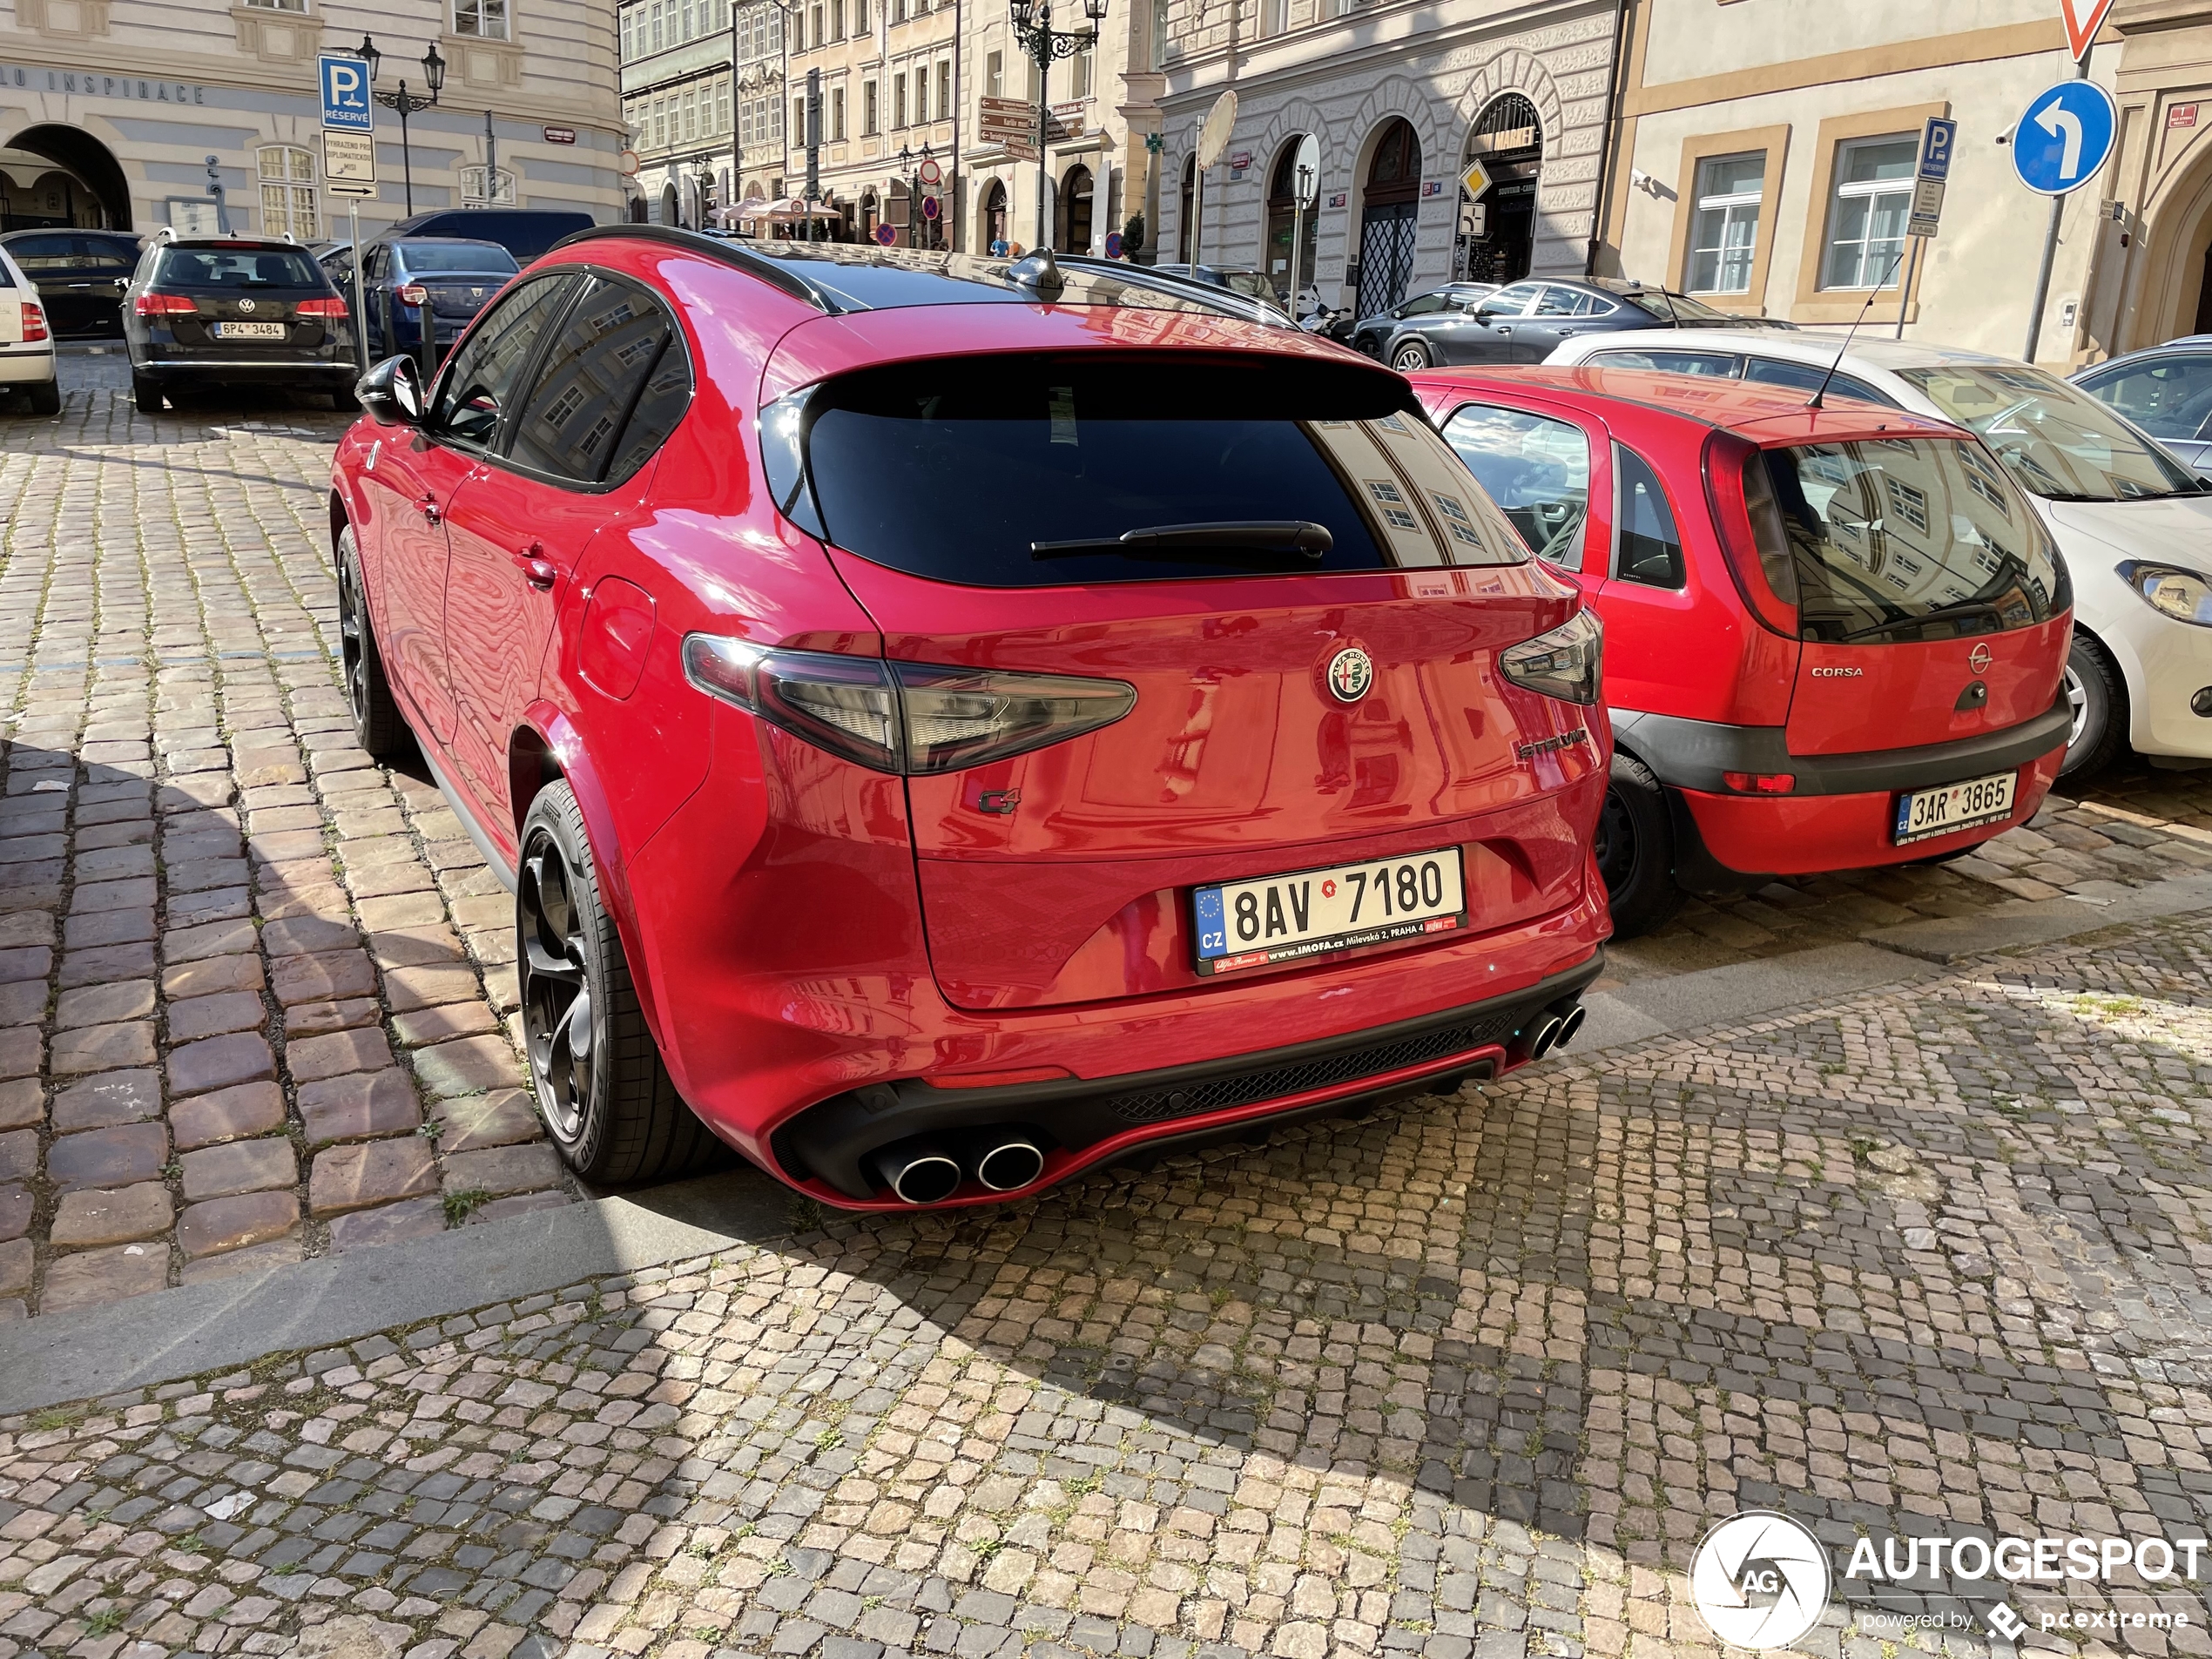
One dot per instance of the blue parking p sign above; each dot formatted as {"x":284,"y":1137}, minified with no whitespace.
{"x":1937,"y":140}
{"x":346,"y":104}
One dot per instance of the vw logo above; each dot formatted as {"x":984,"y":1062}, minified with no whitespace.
{"x":245,"y":305}
{"x":1351,"y":672}
{"x":1979,"y":659}
{"x":1760,"y":1581}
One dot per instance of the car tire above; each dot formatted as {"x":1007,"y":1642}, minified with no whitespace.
{"x":378,"y":724}
{"x":344,"y":402}
{"x":1410,"y":357}
{"x":46,"y":399}
{"x":607,"y":1100}
{"x":146,"y":395}
{"x":2099,"y":698}
{"x":1635,"y":850}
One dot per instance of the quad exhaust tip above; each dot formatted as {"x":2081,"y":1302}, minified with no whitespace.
{"x":919,"y":1172}
{"x":1009,"y":1164}
{"x":1569,"y":1027}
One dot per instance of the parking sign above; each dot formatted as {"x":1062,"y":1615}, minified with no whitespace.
{"x":346,"y":104}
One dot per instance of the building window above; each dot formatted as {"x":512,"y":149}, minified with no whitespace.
{"x":485,"y":19}
{"x":859,"y":17}
{"x":799,"y":118}
{"x":837,"y":115}
{"x":994,"y":75}
{"x":288,"y":203}
{"x":921,"y":98}
{"x":898,"y":101}
{"x":837,"y":19}
{"x":1274,"y":16}
{"x":722,"y":107}
{"x":821,"y":25}
{"x":867,"y":109}
{"x":1079,"y":75}
{"x":1159,"y":32}
{"x":1867,"y":214}
{"x":656,"y":27}
{"x":278,"y":5}
{"x":1725,"y":231}
{"x":945,"y":90}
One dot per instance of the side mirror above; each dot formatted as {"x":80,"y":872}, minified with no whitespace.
{"x":392,"y":392}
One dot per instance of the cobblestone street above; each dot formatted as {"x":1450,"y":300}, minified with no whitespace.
{"x":1464,"y":1378}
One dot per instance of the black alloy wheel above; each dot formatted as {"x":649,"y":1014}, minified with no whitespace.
{"x":607,"y":1101}
{"x":1635,"y":849}
{"x":377,"y":722}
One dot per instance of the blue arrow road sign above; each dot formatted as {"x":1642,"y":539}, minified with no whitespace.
{"x":1937,"y":140}
{"x":344,"y":80}
{"x":2065,"y":138}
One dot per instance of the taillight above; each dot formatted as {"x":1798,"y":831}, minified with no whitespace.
{"x":34,"y":322}
{"x":1748,"y":520}
{"x":1566,"y":663}
{"x":164,"y":304}
{"x":1761,"y":783}
{"x":905,"y":717}
{"x":333,"y":308}
{"x":414,"y":293}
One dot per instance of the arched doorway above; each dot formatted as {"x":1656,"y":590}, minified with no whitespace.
{"x":1075,"y":210}
{"x":1497,"y":235}
{"x":638,"y":210}
{"x":990,"y":221}
{"x":671,"y":210}
{"x":1183,"y":212}
{"x":101,"y":196}
{"x":869,"y":215}
{"x":1284,"y":220}
{"x":1387,"y":210}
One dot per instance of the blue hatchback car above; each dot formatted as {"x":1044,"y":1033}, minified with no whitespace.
{"x":413,"y":282}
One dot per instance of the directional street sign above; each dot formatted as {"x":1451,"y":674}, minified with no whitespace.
{"x":350,"y":164}
{"x":2065,"y":138}
{"x":1476,"y":179}
{"x":346,"y":104}
{"x":2083,"y":19}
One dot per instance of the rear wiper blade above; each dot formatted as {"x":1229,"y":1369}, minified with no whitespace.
{"x":1964,"y":608}
{"x":1295,"y":538}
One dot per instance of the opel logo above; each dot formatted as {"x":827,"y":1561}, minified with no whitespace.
{"x":245,"y":305}
{"x":1351,"y":672}
{"x":1979,"y":659}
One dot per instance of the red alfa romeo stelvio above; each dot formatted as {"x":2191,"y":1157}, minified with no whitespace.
{"x":1835,"y":634}
{"x":948,"y":722}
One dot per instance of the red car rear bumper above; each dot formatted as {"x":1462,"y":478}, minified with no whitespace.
{"x":1810,"y":834}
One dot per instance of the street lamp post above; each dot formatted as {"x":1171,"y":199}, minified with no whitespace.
{"x":917,"y":221}
{"x":1033,"y":29}
{"x":406,"y":102}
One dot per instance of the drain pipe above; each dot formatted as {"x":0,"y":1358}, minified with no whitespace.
{"x":1612,"y":117}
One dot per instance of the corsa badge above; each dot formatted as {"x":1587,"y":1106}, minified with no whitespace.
{"x":1351,"y":672}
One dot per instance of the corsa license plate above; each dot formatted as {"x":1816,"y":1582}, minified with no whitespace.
{"x":1955,"y":806}
{"x":249,"y":331}
{"x":1275,"y":918}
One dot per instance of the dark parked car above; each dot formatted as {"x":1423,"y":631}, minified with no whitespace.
{"x":524,"y":232}
{"x":2165,"y":390}
{"x":404,"y":279}
{"x":216,"y":311}
{"x":1420,"y":315}
{"x":1521,"y":323}
{"x":80,"y":276}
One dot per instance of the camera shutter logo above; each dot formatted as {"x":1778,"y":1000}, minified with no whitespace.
{"x":1760,"y":1581}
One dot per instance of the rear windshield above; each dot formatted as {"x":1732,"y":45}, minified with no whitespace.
{"x":2058,"y":441}
{"x":1909,"y":539}
{"x":959,"y":471}
{"x":476,"y":258}
{"x":239,"y":267}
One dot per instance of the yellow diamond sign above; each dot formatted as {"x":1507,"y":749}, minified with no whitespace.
{"x":1476,"y":178}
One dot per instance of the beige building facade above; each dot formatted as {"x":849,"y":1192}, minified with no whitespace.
{"x":890,"y":92}
{"x":2154,"y":273}
{"x":1763,"y":158}
{"x":112,"y":110}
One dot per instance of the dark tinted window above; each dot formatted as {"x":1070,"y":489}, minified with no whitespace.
{"x":612,"y":348}
{"x":1806,"y":376}
{"x":37,"y":253}
{"x":1085,"y":450}
{"x":1421,"y":304}
{"x":482,"y":377}
{"x":454,"y":256}
{"x":1650,"y":546}
{"x":228,"y":269}
{"x":1669,"y":362}
{"x":103,"y":254}
{"x":1913,"y":539}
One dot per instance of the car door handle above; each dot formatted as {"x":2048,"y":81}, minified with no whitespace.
{"x":538,"y":570}
{"x":1505,"y":327}
{"x":429,"y":508}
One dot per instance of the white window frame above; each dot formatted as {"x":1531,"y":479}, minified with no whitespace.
{"x":483,"y":20}
{"x":1840,"y":192}
{"x":1730,"y":205}
{"x":290,"y":200}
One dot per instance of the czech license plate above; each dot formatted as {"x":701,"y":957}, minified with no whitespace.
{"x":249,"y":331}
{"x":1937,"y":812}
{"x":1275,"y":918}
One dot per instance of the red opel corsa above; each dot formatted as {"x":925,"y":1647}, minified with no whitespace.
{"x":947,"y":724}
{"x":1834,"y":635}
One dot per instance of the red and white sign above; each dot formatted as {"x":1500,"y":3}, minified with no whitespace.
{"x":2083,"y":19}
{"x":2181,"y":115}
{"x":559,"y":135}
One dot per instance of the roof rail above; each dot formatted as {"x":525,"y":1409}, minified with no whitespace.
{"x":781,"y":275}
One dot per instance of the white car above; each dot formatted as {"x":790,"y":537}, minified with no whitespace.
{"x":2134,"y":524}
{"x":26,"y":341}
